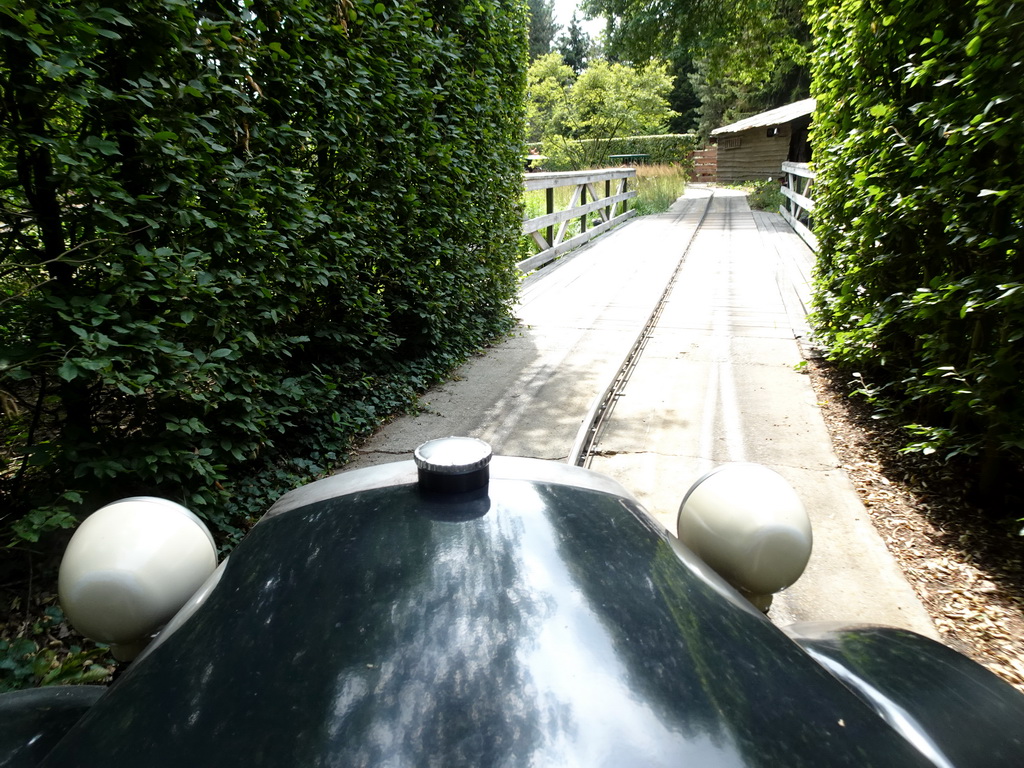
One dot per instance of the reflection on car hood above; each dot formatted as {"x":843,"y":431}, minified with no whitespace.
{"x":536,"y":624}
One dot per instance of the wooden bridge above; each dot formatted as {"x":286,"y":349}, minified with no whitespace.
{"x":606,"y":193}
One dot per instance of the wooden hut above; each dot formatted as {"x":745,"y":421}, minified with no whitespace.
{"x":754,"y":149}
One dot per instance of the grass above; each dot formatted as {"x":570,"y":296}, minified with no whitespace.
{"x":658,"y":186}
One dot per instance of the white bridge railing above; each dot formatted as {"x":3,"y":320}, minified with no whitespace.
{"x":798,"y":209}
{"x":549,"y":230}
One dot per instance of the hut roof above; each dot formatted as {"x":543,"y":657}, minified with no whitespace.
{"x":771,"y":117}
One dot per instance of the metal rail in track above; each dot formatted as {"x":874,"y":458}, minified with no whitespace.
{"x":583,"y":448}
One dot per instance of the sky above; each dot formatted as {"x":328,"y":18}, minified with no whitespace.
{"x":563,"y":15}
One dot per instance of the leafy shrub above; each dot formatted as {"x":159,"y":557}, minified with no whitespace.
{"x":919,"y":150}
{"x":235,"y":236}
{"x":765,"y":196}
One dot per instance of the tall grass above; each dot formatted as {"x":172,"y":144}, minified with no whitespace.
{"x":658,"y":186}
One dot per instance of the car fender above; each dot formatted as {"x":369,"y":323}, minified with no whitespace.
{"x":956,"y":712}
{"x":33,"y":720}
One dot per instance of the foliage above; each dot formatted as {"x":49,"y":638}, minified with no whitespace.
{"x":638,"y":28}
{"x":575,"y":46}
{"x":765,"y":196}
{"x":765,"y":66}
{"x":742,"y":57}
{"x":612,"y":100}
{"x":605,"y":102}
{"x":919,"y":150}
{"x":662,"y":149}
{"x":35,"y":656}
{"x":549,"y":81}
{"x":542,"y":27}
{"x":658,"y":186}
{"x":235,"y":234}
{"x":683,"y":98}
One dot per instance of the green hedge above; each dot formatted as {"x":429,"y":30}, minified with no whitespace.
{"x":673,"y":148}
{"x":919,"y":147}
{"x":233,"y":238}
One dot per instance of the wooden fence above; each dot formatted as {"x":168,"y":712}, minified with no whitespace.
{"x":548,"y":231}
{"x":705,"y":165}
{"x":798,"y":209}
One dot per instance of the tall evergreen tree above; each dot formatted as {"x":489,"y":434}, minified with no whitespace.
{"x":542,"y":27}
{"x":683,"y":99}
{"x":575,"y":46}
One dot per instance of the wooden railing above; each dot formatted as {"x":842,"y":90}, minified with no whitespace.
{"x":548,"y":231}
{"x":798,"y":209}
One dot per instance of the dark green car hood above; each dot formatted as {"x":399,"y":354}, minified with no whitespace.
{"x":536,"y":624}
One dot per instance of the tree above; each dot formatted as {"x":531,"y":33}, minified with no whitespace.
{"x":765,"y":66}
{"x":638,"y":27}
{"x":548,"y":83}
{"x":684,"y":99}
{"x":745,"y":56}
{"x":614,"y":100}
{"x":542,"y":27}
{"x":575,"y":46}
{"x":606,"y":101}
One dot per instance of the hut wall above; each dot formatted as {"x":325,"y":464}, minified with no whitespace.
{"x":753,"y":155}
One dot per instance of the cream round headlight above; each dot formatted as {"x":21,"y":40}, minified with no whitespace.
{"x":130,"y":566}
{"x":748,"y":524}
